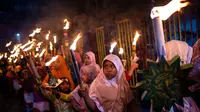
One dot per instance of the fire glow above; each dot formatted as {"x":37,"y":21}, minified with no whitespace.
{"x":42,"y":53}
{"x":52,"y":60}
{"x":112,"y":47}
{"x":121,"y":51}
{"x":137,"y":35}
{"x":73,"y":46}
{"x":37,"y":30}
{"x":54,"y":38}
{"x":66,"y":24}
{"x":164,"y":12}
{"x":47,"y":35}
{"x":8,"y":44}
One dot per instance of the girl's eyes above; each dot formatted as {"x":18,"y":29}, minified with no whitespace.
{"x":107,"y":66}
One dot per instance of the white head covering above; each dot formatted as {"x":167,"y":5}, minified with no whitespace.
{"x":93,"y":60}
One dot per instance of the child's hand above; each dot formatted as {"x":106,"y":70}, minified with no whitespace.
{"x":134,"y":65}
{"x":83,"y":92}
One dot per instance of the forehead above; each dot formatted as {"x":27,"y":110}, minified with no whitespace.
{"x":107,"y":62}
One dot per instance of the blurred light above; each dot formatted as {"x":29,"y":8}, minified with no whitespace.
{"x":18,"y":34}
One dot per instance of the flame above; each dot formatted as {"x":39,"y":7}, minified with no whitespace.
{"x":37,"y":49}
{"x":47,"y":35}
{"x":37,"y":30}
{"x":15,"y":60}
{"x":52,"y":60}
{"x":42,"y":53}
{"x":36,"y":55}
{"x":5,"y":55}
{"x":16,"y":48}
{"x":8,"y":44}
{"x":66,"y":24}
{"x":164,"y":12}
{"x":1,"y":56}
{"x":112,"y":47}
{"x":30,"y":47}
{"x":10,"y":59}
{"x":51,"y":46}
{"x":137,"y":35}
{"x":121,"y":51}
{"x":55,"y":40}
{"x":39,"y":44}
{"x":73,"y":46}
{"x":28,"y":43}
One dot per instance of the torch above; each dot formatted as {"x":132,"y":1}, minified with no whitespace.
{"x":163,"y":13}
{"x":37,"y":30}
{"x":51,"y":48}
{"x":8,"y":44}
{"x":112,"y":47}
{"x":47,"y":38}
{"x":72,"y":48}
{"x":134,"y":57}
{"x":55,"y":41}
{"x":52,"y":80}
{"x":121,"y":51}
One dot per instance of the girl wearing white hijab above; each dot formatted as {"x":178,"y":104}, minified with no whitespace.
{"x":110,"y":91}
{"x":90,"y":60}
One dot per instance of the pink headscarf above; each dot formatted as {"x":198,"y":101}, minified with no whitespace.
{"x":118,"y":89}
{"x":93,"y":61}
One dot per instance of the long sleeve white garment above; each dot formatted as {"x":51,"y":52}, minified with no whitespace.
{"x":180,"y":48}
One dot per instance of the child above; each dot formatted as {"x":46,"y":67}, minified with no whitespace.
{"x":110,"y":91}
{"x":90,"y":60}
{"x":89,"y":73}
{"x":59,"y":96}
{"x":60,"y":70}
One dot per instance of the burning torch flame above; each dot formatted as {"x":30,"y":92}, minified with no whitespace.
{"x":137,"y":35}
{"x":1,"y":56}
{"x":16,"y":48}
{"x":37,"y":49}
{"x":8,"y":44}
{"x":51,"y":46}
{"x":54,"y":38}
{"x":36,"y":55}
{"x":28,"y":43}
{"x":112,"y":47}
{"x":121,"y":51}
{"x":52,"y":60}
{"x":39,"y":44}
{"x":42,"y":53}
{"x":164,"y":12}
{"x":30,"y":47}
{"x":15,"y":60}
{"x":37,"y":30}
{"x":5,"y":55}
{"x":66,"y":24}
{"x":73,"y":46}
{"x":10,"y":59}
{"x":47,"y":35}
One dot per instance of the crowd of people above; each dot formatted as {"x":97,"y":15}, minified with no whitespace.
{"x":101,"y":89}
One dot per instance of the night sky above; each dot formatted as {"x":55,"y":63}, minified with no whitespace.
{"x":22,"y":16}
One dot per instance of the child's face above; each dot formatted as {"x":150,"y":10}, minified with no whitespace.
{"x":109,"y":70}
{"x":25,"y":75}
{"x":87,"y":60}
{"x":64,"y":86}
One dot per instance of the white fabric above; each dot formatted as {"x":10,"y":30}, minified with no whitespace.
{"x":28,"y":97}
{"x":113,"y":82}
{"x":180,"y":48}
{"x":16,"y":85}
